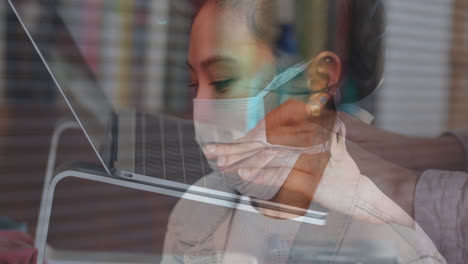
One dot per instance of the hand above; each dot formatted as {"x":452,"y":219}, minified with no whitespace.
{"x":331,"y":178}
{"x":258,"y":167}
{"x":262,"y":167}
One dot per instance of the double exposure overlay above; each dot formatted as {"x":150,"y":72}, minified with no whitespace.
{"x":234,"y":131}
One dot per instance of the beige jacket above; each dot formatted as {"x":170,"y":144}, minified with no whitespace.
{"x":197,"y":233}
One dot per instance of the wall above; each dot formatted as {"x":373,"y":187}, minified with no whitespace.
{"x":414,"y":98}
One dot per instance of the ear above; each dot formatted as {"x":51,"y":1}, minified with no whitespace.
{"x":324,"y":71}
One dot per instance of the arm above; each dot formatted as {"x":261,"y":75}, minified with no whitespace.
{"x":441,"y":208}
{"x":445,"y":153}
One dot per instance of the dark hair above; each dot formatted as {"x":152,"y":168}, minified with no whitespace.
{"x":355,"y":32}
{"x":366,"y":49}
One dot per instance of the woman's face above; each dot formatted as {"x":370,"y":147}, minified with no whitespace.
{"x":226,"y":60}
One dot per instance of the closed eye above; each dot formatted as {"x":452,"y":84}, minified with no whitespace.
{"x":222,"y":85}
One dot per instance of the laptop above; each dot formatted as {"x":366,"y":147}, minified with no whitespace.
{"x":155,"y":150}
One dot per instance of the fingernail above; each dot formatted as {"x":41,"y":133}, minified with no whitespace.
{"x":209,"y":149}
{"x":244,"y":173}
{"x":221,"y":161}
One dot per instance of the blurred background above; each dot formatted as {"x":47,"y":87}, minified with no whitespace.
{"x":138,"y":51}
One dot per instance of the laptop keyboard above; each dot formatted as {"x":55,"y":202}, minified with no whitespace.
{"x":166,"y":148}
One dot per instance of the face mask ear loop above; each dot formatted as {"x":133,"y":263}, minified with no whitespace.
{"x":284,"y":77}
{"x":278,"y":81}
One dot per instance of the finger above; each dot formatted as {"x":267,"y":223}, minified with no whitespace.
{"x":286,"y":136}
{"x":213,"y":151}
{"x":265,"y":175}
{"x":259,"y":176}
{"x":254,"y":163}
{"x":226,"y":161}
{"x":290,"y":112}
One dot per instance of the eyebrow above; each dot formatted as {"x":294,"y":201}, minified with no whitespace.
{"x":215,"y":59}
{"x":212,"y":60}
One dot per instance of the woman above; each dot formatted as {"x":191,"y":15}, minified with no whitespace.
{"x":269,"y":128}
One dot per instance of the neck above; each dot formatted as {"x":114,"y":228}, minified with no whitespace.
{"x":298,"y":190}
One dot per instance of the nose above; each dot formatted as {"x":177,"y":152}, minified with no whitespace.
{"x":205,"y":92}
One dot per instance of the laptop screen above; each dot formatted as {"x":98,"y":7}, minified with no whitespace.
{"x":46,"y":24}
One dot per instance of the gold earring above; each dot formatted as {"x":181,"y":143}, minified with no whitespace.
{"x":313,"y":110}
{"x":316,"y":104}
{"x":318,"y":100}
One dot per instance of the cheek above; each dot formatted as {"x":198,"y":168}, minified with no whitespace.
{"x":262,"y":57}
{"x":262,"y":67}
{"x":257,"y":72}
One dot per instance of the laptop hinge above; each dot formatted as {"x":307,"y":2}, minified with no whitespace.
{"x":125,"y":154}
{"x":114,"y":140}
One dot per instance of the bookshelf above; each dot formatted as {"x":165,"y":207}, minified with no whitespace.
{"x":137,"y":49}
{"x":176,"y":95}
{"x":156,"y":55}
